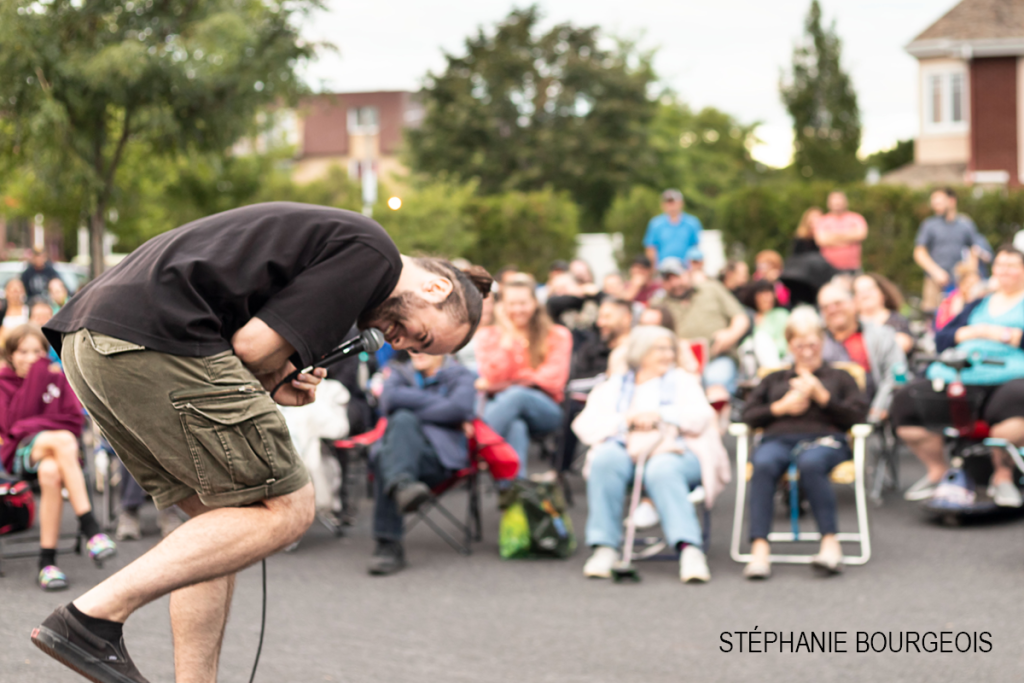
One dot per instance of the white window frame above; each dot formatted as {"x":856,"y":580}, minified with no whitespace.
{"x":946,"y":125}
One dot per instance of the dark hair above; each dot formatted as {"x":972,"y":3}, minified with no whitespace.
{"x":642,"y":261}
{"x":748,"y":295}
{"x":559,"y":266}
{"x":892,"y":299}
{"x":949,"y":192}
{"x":39,"y":301}
{"x":466,"y":300}
{"x":621,"y":303}
{"x":1010,"y":249}
{"x":20,"y":334}
{"x":668,"y":320}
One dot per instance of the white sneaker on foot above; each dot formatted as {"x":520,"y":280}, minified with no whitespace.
{"x":693,"y":565}
{"x":600,"y":564}
{"x":922,"y":489}
{"x":645,"y":516}
{"x":1006,"y":495}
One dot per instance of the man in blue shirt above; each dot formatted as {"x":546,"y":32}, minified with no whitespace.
{"x":672,"y":233}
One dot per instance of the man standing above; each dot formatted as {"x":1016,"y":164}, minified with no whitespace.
{"x":174,"y":353}
{"x":426,"y":400}
{"x":38,"y":275}
{"x":672,"y":233}
{"x":706,"y":310}
{"x":873,"y":347}
{"x":943,"y":241}
{"x":839,"y":234}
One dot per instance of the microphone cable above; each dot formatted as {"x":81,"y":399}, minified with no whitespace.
{"x":263,"y":622}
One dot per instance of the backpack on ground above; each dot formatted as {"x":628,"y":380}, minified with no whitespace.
{"x":534,"y":522}
{"x":17,"y":506}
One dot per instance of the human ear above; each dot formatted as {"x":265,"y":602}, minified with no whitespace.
{"x":437,"y":289}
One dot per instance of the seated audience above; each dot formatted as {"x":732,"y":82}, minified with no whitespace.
{"x":38,"y":273}
{"x":589,"y":365}
{"x":706,"y":311}
{"x":39,"y":313}
{"x":40,"y":422}
{"x":572,"y":304}
{"x":695,"y":257}
{"x":16,"y":313}
{"x":467,"y":354}
{"x":735,"y":275}
{"x":523,"y":362}
{"x":653,"y":395}
{"x":662,"y":317}
{"x":769,"y":322}
{"x":426,"y":402}
{"x":992,"y":328}
{"x":768,"y":266}
{"x":558,"y":269}
{"x":969,"y":287}
{"x":805,"y":412}
{"x":580,"y":270}
{"x":878,"y":300}
{"x":58,"y":293}
{"x":870,"y":346}
{"x":614,"y":286}
{"x":643,"y":284}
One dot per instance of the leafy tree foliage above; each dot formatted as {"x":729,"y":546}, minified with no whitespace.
{"x":821,"y":100}
{"x":522,"y":110}
{"x":86,"y":81}
{"x":901,"y":154}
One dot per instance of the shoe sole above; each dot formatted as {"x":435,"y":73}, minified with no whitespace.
{"x":75,"y":658}
{"x":918,"y":496}
{"x":417,"y":502}
{"x":826,"y":569}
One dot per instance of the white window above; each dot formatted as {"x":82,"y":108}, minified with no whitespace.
{"x":944,"y":95}
{"x":363,"y":121}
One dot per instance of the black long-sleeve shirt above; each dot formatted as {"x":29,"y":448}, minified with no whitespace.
{"x":847,"y":405}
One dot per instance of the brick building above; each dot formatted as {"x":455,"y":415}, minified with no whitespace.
{"x":971,"y":97}
{"x":352,"y":130}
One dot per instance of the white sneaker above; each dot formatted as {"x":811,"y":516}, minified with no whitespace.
{"x":922,"y":489}
{"x":645,"y":516}
{"x":693,"y":565}
{"x":1006,"y":495}
{"x":600,"y":564}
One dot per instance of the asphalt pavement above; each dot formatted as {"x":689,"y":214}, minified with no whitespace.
{"x":482,"y":619}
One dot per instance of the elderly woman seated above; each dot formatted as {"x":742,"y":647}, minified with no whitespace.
{"x":805,"y":412}
{"x":652,"y":395}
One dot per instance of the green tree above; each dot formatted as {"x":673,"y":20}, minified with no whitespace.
{"x":522,"y":110}
{"x":823,"y":105}
{"x":900,"y":154}
{"x":434,"y":218}
{"x":87,"y":81}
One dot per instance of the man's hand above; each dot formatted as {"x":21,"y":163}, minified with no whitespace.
{"x":300,"y":391}
{"x":793,"y":403}
{"x":939,"y":277}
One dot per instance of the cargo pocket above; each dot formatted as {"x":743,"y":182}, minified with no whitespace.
{"x":236,"y":435}
{"x":105,"y":345}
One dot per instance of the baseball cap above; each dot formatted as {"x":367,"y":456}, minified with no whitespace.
{"x":672,"y":265}
{"x":671,"y":196}
{"x":694,"y":254}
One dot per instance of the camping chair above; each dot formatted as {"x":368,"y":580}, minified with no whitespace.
{"x":847,"y":472}
{"x":469,"y":528}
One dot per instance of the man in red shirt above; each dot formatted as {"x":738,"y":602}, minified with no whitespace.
{"x":839,"y":234}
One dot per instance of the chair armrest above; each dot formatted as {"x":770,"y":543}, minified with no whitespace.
{"x":742,"y":429}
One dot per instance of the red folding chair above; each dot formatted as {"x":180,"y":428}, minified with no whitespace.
{"x":498,"y":458}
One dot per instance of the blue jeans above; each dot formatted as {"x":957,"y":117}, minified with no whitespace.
{"x":772,"y":458}
{"x":668,"y":480}
{"x":405,"y":456}
{"x":721,"y":371}
{"x":518,"y":413}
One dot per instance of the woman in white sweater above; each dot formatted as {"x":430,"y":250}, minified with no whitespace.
{"x":652,"y":393}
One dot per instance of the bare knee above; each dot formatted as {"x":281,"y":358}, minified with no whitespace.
{"x":48,"y":474}
{"x":293,"y":512}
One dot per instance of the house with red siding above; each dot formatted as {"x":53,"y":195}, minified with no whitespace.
{"x":971,"y":97}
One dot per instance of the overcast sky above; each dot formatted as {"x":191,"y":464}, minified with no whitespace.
{"x":727,"y":54}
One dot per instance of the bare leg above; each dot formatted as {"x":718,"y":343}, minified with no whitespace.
{"x":50,"y":503}
{"x":209,"y":546}
{"x":1013,"y":431}
{"x":830,"y":548}
{"x":199,"y":614}
{"x":927,"y":446}
{"x":760,"y":549}
{"x":62,"y":448}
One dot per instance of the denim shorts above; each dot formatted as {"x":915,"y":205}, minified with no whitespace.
{"x":184,"y":426}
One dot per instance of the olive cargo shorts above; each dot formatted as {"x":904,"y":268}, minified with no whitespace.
{"x":184,"y":426}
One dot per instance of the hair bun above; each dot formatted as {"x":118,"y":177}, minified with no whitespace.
{"x":480,"y":278}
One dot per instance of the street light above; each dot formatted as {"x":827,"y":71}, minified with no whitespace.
{"x":395,"y":203}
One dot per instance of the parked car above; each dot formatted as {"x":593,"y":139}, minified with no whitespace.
{"x":74,"y":276}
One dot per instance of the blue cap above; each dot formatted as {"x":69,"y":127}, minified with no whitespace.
{"x":695,"y":254}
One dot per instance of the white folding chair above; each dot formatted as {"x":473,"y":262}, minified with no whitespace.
{"x":839,"y":474}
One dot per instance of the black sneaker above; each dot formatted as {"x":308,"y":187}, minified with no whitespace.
{"x":409,"y":497}
{"x":65,"y":639}
{"x":388,"y":558}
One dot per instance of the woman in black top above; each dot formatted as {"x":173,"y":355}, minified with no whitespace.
{"x":804,"y":411}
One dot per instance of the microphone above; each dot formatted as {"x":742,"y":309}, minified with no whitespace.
{"x":369,"y":340}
